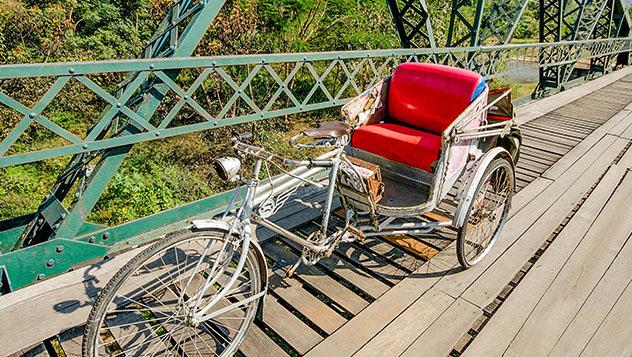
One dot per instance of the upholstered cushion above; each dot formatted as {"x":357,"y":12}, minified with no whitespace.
{"x":399,"y":143}
{"x":430,"y":96}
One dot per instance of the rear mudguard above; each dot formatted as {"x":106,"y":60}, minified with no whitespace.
{"x":223,"y":226}
{"x":474,"y":180}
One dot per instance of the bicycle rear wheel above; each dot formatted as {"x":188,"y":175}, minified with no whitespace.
{"x":148,"y":308}
{"x":487,"y":213}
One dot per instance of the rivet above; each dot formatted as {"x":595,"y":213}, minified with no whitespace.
{"x":106,"y":235}
{"x":92,"y":239}
{"x":262,"y":115}
{"x":71,"y":70}
{"x":85,"y":146}
{"x":63,"y":215}
{"x":186,"y":97}
{"x":213,"y":63}
{"x":32,"y":115}
{"x":151,"y":66}
{"x":301,"y":108}
{"x":50,"y":263}
{"x":263,"y":61}
{"x":339,"y":57}
{"x":59,"y":248}
{"x":157,"y":133}
{"x":41,"y":276}
{"x":215,"y":123}
{"x":119,"y":104}
{"x":56,"y":226}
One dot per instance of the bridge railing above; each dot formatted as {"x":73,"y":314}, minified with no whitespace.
{"x":220,"y":91}
{"x":185,"y":95}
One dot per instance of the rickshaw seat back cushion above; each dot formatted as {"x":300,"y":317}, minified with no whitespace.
{"x":399,"y":143}
{"x":430,"y":97}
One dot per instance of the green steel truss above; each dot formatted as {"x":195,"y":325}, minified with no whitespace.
{"x":163,"y":95}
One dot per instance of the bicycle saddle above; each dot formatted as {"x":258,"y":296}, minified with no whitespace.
{"x":329,"y":129}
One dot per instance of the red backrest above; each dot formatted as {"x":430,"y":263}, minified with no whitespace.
{"x":430,"y":96}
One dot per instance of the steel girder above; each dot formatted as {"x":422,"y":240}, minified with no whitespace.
{"x":412,"y":22}
{"x":568,"y":20}
{"x":484,"y":22}
{"x":130,"y":109}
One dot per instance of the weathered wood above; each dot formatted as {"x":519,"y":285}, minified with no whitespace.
{"x":560,"y":198}
{"x":257,"y":343}
{"x":614,"y":335}
{"x":291,"y":291}
{"x":289,"y":327}
{"x":398,"y":335}
{"x":319,"y":280}
{"x":71,"y":341}
{"x":372,"y":262}
{"x":412,"y":246}
{"x":597,"y":306}
{"x":446,"y":331}
{"x":352,"y":274}
{"x":577,"y":279}
{"x":506,"y":322}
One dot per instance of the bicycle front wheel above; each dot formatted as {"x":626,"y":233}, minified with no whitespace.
{"x":153,"y":305}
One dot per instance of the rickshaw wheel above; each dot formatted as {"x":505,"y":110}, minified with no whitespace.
{"x":145,"y":309}
{"x":487,"y":213}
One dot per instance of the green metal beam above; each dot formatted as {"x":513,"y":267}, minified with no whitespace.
{"x":172,"y":38}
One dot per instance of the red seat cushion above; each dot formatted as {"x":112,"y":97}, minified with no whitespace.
{"x":430,"y":96}
{"x":399,"y":143}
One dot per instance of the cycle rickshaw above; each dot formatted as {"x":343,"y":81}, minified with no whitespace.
{"x":403,"y":146}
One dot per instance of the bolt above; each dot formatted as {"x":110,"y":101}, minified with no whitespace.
{"x":85,"y":146}
{"x":92,"y":239}
{"x":215,"y":123}
{"x":157,"y":133}
{"x":119,"y":105}
{"x":71,"y":70}
{"x":50,"y":263}
{"x":151,"y":66}
{"x":186,"y":97}
{"x":106,"y":235}
{"x":59,"y":248}
{"x":32,"y":115}
{"x":41,"y":276}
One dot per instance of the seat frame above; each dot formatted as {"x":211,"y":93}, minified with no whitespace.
{"x":460,"y":148}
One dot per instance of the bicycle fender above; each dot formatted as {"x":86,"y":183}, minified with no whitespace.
{"x":477,"y":176}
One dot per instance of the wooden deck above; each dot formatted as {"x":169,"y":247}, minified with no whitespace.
{"x":558,"y":281}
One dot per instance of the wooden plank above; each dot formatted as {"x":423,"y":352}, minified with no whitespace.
{"x":36,"y":351}
{"x":289,"y":327}
{"x":412,"y":246}
{"x":397,"y":336}
{"x":319,"y":280}
{"x":393,"y":253}
{"x":614,"y":335}
{"x":595,"y":309}
{"x":291,"y":291}
{"x":257,"y":343}
{"x":506,"y":322}
{"x":444,"y":333}
{"x":355,"y":333}
{"x":564,"y":163}
{"x":372,"y":262}
{"x":564,"y":194}
{"x":577,"y":279}
{"x":350,"y":273}
{"x":71,"y":341}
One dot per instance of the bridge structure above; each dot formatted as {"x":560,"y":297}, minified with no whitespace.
{"x":366,"y":298}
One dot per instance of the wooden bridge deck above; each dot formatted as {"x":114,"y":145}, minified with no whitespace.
{"x":558,"y":281}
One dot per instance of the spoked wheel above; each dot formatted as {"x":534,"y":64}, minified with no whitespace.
{"x":486,"y":214}
{"x":163,"y":302}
